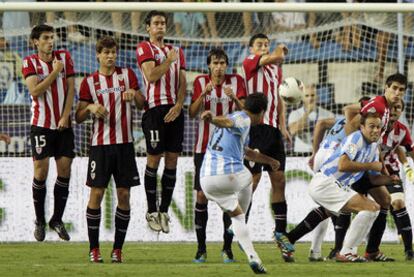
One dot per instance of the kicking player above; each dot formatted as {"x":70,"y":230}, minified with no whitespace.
{"x":263,"y":74}
{"x":218,"y":93}
{"x":331,"y":187}
{"x":163,"y":68}
{"x":49,"y":76}
{"x":107,"y":95}
{"x":224,"y":178}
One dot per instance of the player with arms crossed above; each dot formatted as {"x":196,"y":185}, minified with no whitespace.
{"x":163,"y":68}
{"x":107,"y":95}
{"x":49,"y":77}
{"x":263,"y":75}
{"x":218,"y":93}
{"x":224,"y":179}
{"x":331,"y":186}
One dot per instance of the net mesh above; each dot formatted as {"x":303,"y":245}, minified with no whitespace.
{"x":343,"y":55}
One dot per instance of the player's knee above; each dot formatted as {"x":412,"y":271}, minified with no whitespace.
{"x":398,"y":204}
{"x":385,"y":201}
{"x":123,"y":196}
{"x":95,"y":198}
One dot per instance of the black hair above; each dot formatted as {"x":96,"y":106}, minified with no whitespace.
{"x":256,"y":103}
{"x":256,"y":36}
{"x":39,"y":29}
{"x":398,"y":78}
{"x":153,"y":13}
{"x":218,"y":53}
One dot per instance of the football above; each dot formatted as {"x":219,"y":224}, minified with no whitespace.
{"x":291,"y":90}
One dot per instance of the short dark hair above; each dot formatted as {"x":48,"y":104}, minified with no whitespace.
{"x":256,"y":36}
{"x":218,"y":53}
{"x":365,"y":116}
{"x":153,"y":13}
{"x":105,"y":42}
{"x":256,"y":103}
{"x":398,"y":78}
{"x":39,"y":29}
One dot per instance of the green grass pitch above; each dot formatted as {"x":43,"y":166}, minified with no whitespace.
{"x":175,"y":259}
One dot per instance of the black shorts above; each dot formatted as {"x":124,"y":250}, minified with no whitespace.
{"x":268,"y":140}
{"x":396,"y":188}
{"x":115,"y":159}
{"x":198,"y":162}
{"x":363,"y":185}
{"x":51,"y":143}
{"x":162,"y":137}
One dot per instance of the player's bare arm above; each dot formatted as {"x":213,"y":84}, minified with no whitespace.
{"x":197,"y":105}
{"x":258,"y":157}
{"x":139,"y":99}
{"x":37,"y":88}
{"x":64,"y":121}
{"x":84,"y":109}
{"x":281,"y":111}
{"x":153,"y":73}
{"x":175,"y":110}
{"x":276,"y":57}
{"x":383,"y":180}
{"x":219,"y":121}
{"x":351,"y":110}
{"x":6,"y":138}
{"x":347,"y":165}
{"x":230,"y":93}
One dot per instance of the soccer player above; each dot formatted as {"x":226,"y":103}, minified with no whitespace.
{"x":396,"y":136}
{"x":218,"y":93}
{"x":163,"y":68}
{"x":107,"y":94}
{"x":263,"y":74}
{"x":331,"y":186}
{"x":49,"y":77}
{"x":224,"y":179}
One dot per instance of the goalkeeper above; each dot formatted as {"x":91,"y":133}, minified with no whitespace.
{"x":397,"y":139}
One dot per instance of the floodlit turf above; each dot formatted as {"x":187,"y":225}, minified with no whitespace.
{"x":175,"y":259}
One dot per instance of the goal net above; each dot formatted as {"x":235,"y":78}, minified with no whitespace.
{"x":339,"y":57}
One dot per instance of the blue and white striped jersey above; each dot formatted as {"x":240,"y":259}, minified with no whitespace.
{"x":225,"y":151}
{"x":334,"y":136}
{"x":358,"y":150}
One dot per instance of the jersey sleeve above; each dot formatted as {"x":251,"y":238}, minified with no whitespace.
{"x":70,"y":68}
{"x":241,"y":88}
{"x":144,"y":53}
{"x":375,"y":158}
{"x":84,"y":91}
{"x":407,"y":142}
{"x":28,"y":68}
{"x":241,"y":123}
{"x":250,"y":65}
{"x":182,"y":59}
{"x":351,"y":146}
{"x":197,"y":90}
{"x":133,"y":80}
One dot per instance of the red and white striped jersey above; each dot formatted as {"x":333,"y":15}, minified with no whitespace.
{"x":116,"y":128}
{"x":48,"y":107}
{"x":217,"y":102}
{"x":379,"y":105}
{"x":264,"y":79}
{"x":165,"y":90}
{"x":398,"y":136}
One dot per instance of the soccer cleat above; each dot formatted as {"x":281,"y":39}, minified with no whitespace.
{"x":257,"y":267}
{"x":116,"y":256}
{"x":95,"y":256}
{"x":200,"y":257}
{"x":164,"y":222}
{"x":153,"y":221}
{"x":39,"y":231}
{"x":378,"y":257}
{"x":315,"y":257}
{"x":227,"y":256}
{"x":59,"y":228}
{"x":332,"y":254}
{"x":409,"y":255}
{"x":350,"y":258}
{"x":285,"y":247}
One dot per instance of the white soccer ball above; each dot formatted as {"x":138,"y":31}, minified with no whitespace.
{"x":291,"y":90}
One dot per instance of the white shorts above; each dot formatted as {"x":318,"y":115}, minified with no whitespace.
{"x":321,"y":157}
{"x":329,"y":193}
{"x":225,"y":189}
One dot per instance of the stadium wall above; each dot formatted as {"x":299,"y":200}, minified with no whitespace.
{"x":17,"y":214}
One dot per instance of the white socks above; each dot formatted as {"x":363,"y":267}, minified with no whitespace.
{"x":318,"y":236}
{"x":242,"y":234}
{"x":359,"y":229}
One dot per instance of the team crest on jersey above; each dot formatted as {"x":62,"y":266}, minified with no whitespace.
{"x":154,"y":144}
{"x":372,"y":110}
{"x":140,"y":51}
{"x":93,"y":175}
{"x":39,"y":150}
{"x":25,"y":64}
{"x":351,"y":149}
